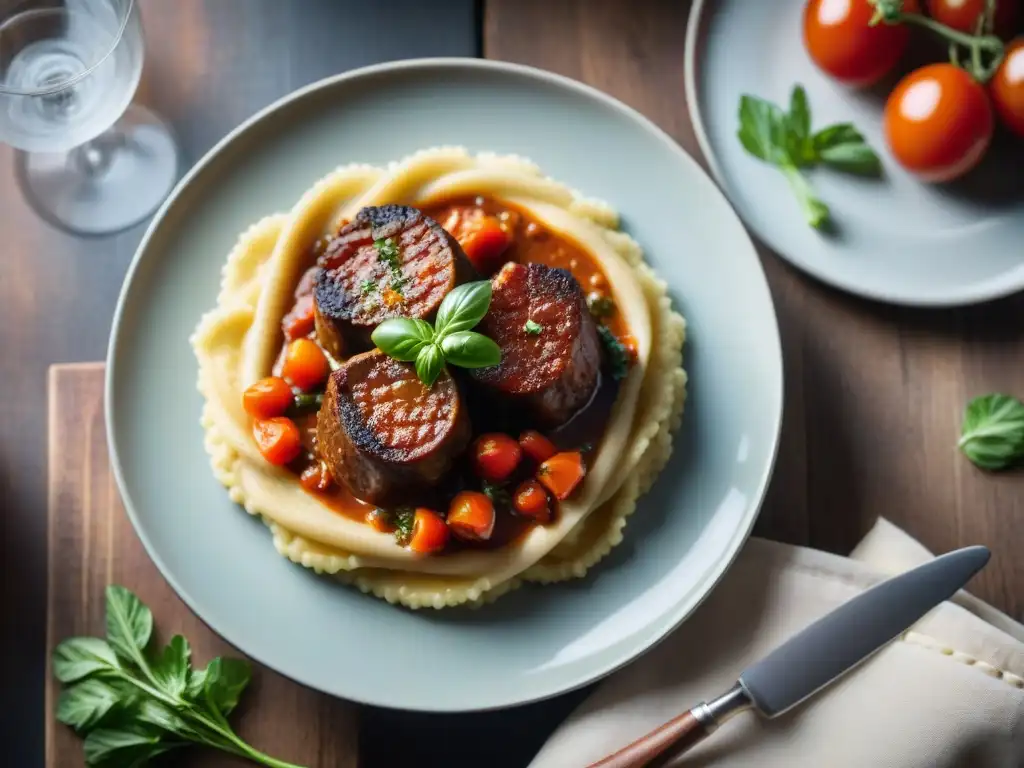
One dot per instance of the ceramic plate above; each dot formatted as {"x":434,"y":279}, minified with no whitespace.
{"x":898,"y":240}
{"x":535,"y":642}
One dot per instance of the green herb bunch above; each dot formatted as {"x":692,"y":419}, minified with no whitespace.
{"x":132,"y":703}
{"x":448,"y":340}
{"x":784,"y":139}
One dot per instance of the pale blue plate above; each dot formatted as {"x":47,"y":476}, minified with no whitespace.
{"x":533,"y":643}
{"x":898,"y":240}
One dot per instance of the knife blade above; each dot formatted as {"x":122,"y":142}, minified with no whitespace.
{"x":815,"y":657}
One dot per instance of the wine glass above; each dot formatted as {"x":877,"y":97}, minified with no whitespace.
{"x":88,"y":162}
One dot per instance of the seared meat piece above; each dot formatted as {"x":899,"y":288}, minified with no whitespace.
{"x":550,"y":351}
{"x":391,"y":261}
{"x":386,"y":435}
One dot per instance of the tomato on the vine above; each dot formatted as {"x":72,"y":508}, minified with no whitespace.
{"x":1007,"y":87}
{"x":963,"y":15}
{"x":938,"y":122}
{"x":841,"y":41}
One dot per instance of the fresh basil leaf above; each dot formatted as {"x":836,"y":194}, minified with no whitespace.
{"x":129,"y":623}
{"x":463,"y":308}
{"x":402,"y":337}
{"x":799,"y":113}
{"x":835,"y":135}
{"x":196,"y":684}
{"x":84,"y":705}
{"x":126,"y":747}
{"x":429,"y":364}
{"x":532,"y":327}
{"x":172,"y":666}
{"x":80,"y":657}
{"x":852,"y":158}
{"x":763,"y":129}
{"x":468,"y":349}
{"x":225,"y":681}
{"x":993,"y":431}
{"x":161,"y":716}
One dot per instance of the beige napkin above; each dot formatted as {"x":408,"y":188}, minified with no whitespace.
{"x":950,"y":692}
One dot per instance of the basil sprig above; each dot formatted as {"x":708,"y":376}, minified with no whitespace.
{"x":785,"y":140}
{"x":993,"y":431}
{"x":449,"y":340}
{"x":132,"y":702}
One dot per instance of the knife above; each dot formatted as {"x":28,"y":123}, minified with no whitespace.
{"x":815,"y":657}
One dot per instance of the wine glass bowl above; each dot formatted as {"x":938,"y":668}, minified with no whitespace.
{"x":88,"y":161}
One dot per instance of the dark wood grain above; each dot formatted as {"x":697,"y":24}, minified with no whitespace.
{"x":874,"y":394}
{"x":209,"y":65}
{"x":92,"y":544}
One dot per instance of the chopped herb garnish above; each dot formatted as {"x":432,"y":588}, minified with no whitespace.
{"x":618,"y":357}
{"x":387,"y":250}
{"x":993,"y":432}
{"x":305,"y":401}
{"x":402,"y":518}
{"x":532,"y":327}
{"x":498,"y":495}
{"x":600,"y":306}
{"x":367,"y":286}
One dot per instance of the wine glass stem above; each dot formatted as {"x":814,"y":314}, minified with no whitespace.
{"x":94,"y":158}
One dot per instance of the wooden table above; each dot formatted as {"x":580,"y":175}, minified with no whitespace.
{"x":874,"y":393}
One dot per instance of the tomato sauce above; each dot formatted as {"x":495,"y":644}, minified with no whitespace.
{"x":530,"y":242}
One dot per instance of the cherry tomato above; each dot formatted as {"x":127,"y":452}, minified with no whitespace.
{"x":471,"y":516}
{"x":278,"y":439}
{"x":305,"y":364}
{"x":495,"y":456}
{"x":531,"y":500}
{"x":963,"y":14}
{"x":267,"y":398}
{"x":429,"y":533}
{"x":938,"y":122}
{"x":484,"y":243}
{"x":562,"y":473}
{"x":1007,"y":87}
{"x":841,"y":41}
{"x":536,"y":446}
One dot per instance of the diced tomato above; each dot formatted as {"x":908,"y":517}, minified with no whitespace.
{"x":305,"y":364}
{"x":267,"y":398}
{"x":484,"y":243}
{"x":471,"y":516}
{"x":278,"y":439}
{"x":299,"y":322}
{"x":536,"y":446}
{"x":429,"y":532}
{"x":562,"y":473}
{"x":495,"y":456}
{"x":531,"y":500}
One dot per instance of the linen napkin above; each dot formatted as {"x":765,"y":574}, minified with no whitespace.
{"x":949,"y":692}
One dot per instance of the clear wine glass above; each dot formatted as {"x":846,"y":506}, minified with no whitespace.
{"x":88,"y":162}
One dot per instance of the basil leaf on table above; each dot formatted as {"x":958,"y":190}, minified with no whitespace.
{"x":402,"y":337}
{"x":225,"y":681}
{"x":993,"y":431}
{"x":468,"y":349}
{"x":171,"y":667}
{"x":429,"y":364}
{"x":79,"y":657}
{"x":785,"y":140}
{"x":85,"y":705}
{"x":463,"y":307}
{"x":129,"y":623}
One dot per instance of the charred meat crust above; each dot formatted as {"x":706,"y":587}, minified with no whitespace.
{"x":426,"y":430}
{"x":553,"y":372}
{"x":359,"y":285}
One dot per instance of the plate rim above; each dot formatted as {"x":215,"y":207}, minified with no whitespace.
{"x":948,"y":299}
{"x":392,"y":699}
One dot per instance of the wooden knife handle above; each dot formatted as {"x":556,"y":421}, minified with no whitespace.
{"x":680,"y":733}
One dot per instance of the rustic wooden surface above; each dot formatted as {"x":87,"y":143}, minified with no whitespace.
{"x":92,"y":544}
{"x":874,"y":393}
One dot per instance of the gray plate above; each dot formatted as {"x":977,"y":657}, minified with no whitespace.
{"x":536,"y":642}
{"x":899,"y":240}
